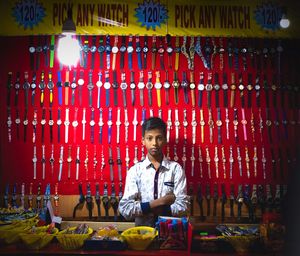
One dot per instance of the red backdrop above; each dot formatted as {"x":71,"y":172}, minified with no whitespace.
{"x":16,"y":156}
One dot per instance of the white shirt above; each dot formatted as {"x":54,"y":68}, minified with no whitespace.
{"x":141,"y":184}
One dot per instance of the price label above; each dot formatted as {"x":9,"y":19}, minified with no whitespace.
{"x":268,"y":16}
{"x":151,"y":14}
{"x":28,"y":13}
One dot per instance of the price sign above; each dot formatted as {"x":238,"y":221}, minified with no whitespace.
{"x":151,"y":14}
{"x":268,"y":16}
{"x":28,"y":13}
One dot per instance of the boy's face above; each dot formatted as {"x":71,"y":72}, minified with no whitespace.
{"x":154,"y":140}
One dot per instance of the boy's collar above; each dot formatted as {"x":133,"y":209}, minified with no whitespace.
{"x":164,"y":163}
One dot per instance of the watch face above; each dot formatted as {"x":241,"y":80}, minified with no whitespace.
{"x":106,"y":85}
{"x":86,"y":48}
{"x":241,"y":87}
{"x":92,"y":123}
{"x":217,"y":87}
{"x":233,"y":87}
{"x":157,"y":85}
{"x":145,"y":49}
{"x":73,"y":85}
{"x":18,"y":120}
{"x":257,"y":87}
{"x":132,"y":86}
{"x":192,"y":86}
{"x":141,"y":85}
{"x":138,"y":49}
{"x":244,"y":122}
{"x":80,"y":81}
{"x":101,"y":48}
{"x":17,"y":86}
{"x":42,"y":85}
{"x":149,"y":85}
{"x":123,"y":48}
{"x":90,"y":86}
{"x":26,"y":85}
{"x":161,"y":50}
{"x":175,"y":84}
{"x":115,"y":49}
{"x":93,"y":49}
{"x":33,"y":86}
{"x":108,"y":48}
{"x":224,"y":86}
{"x":208,"y":87}
{"x":51,"y":122}
{"x":169,"y":49}
{"x":31,"y":49}
{"x":200,"y":87}
{"x":167,"y":85}
{"x":59,"y":122}
{"x":218,"y":122}
{"x":235,"y":122}
{"x":25,"y":122}
{"x":249,"y":87}
{"x":50,"y":85}
{"x":123,"y":86}
{"x":129,"y":49}
{"x":109,"y":122}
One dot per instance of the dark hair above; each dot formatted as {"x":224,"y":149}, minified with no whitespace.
{"x":154,"y":123}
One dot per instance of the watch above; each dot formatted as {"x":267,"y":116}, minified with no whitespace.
{"x":92,"y":125}
{"x":141,"y":86}
{"x":59,"y":88}
{"x":67,"y":123}
{"x":145,"y":51}
{"x":80,"y":84}
{"x":167,"y":86}
{"x":109,"y":123}
{"x":124,"y":86}
{"x":161,"y":51}
{"x":219,"y":125}
{"x":201,"y":88}
{"x":175,"y":84}
{"x":67,"y":85}
{"x":232,"y":89}
{"x":75,"y":124}
{"x":138,"y":50}
{"x":208,"y":89}
{"x":225,"y":90}
{"x":169,"y":50}
{"x":132,"y":88}
{"x":42,"y":88}
{"x":217,"y":88}
{"x":208,"y":162}
{"x":101,"y":50}
{"x":93,"y":50}
{"x":115,"y":50}
{"x":99,"y":85}
{"x":177,"y":126}
{"x":115,"y":87}
{"x":90,"y":88}
{"x":107,"y":86}
{"x":130,"y":51}
{"x":158,"y":87}
{"x":184,"y":85}
{"x":153,"y":51}
{"x":149,"y":86}
{"x":73,"y":87}
{"x":122,"y":51}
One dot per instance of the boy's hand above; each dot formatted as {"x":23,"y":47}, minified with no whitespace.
{"x":168,"y":199}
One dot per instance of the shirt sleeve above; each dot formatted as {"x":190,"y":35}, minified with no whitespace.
{"x":182,"y":202}
{"x":130,"y":205}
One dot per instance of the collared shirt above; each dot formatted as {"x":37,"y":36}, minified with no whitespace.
{"x":144,"y":184}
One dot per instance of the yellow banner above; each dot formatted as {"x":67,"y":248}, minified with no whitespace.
{"x":244,"y":18}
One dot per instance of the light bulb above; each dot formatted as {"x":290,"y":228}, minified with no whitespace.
{"x":68,"y":50}
{"x":284,"y":22}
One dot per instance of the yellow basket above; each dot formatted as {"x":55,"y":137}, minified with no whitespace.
{"x":72,"y":241}
{"x":39,"y":239}
{"x":242,"y":244}
{"x":139,"y":238}
{"x":12,"y":235}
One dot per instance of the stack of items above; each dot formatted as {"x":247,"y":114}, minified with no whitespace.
{"x":172,"y":232}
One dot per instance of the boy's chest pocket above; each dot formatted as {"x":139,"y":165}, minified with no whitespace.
{"x":167,"y":187}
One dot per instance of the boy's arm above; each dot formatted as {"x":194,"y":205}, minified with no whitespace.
{"x":182,"y":202}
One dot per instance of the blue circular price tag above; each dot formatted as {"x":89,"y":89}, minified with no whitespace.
{"x":268,"y":16}
{"x":151,"y":14}
{"x":28,"y":13}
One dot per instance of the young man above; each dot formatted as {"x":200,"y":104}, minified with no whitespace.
{"x":155,"y":186}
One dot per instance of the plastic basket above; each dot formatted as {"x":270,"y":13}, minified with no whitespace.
{"x":72,"y":241}
{"x":12,"y":235}
{"x":139,"y":238}
{"x":242,"y":244}
{"x":39,"y":239}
